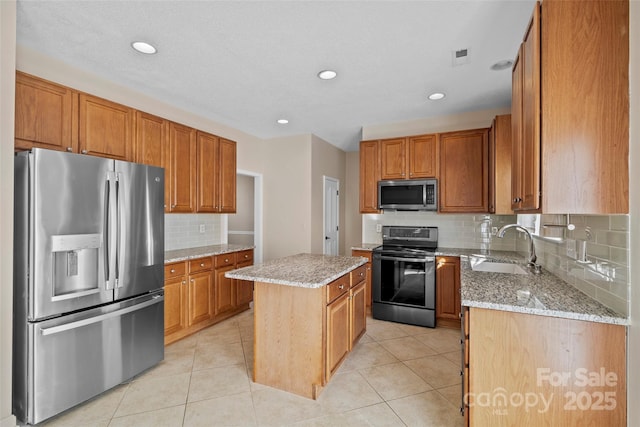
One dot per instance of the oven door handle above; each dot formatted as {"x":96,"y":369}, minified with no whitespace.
{"x":423,"y":260}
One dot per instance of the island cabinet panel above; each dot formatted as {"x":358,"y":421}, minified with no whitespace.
{"x":369,"y":176}
{"x":302,"y":335}
{"x":106,"y":129}
{"x":464,"y":171}
{"x":568,"y":372}
{"x":46,"y":115}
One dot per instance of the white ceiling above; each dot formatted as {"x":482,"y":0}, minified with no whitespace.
{"x":247,"y":63}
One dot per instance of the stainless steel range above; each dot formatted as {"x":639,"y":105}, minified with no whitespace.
{"x":404,"y":275}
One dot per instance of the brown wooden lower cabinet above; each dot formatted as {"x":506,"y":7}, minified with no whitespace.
{"x":448,"y":291}
{"x":302,"y":335}
{"x":368,"y":255}
{"x":197,"y":295}
{"x":533,"y":370}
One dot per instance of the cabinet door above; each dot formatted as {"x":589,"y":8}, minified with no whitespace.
{"x":207,"y":172}
{"x":106,"y":128}
{"x":358,"y":312}
{"x":200,"y":288}
{"x":422,"y":157}
{"x":225,"y":298}
{"x":369,"y":176}
{"x":227,"y":177}
{"x":244,"y":288}
{"x":46,"y":115}
{"x":448,"y":288}
{"x":464,"y":171}
{"x":500,"y":166}
{"x":338,"y":339}
{"x":175,"y":302}
{"x":516,"y":133}
{"x":182,"y":168}
{"x":368,"y":255}
{"x":393,"y":153}
{"x":152,"y":139}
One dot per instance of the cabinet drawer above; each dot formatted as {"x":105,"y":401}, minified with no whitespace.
{"x":224,"y":260}
{"x":174,"y":270}
{"x":200,"y":264}
{"x":358,"y":275}
{"x":337,"y":288}
{"x":245,"y":257}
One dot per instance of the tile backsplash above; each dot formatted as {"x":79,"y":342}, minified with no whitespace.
{"x":603,"y":271}
{"x":454,"y":231}
{"x":183,"y":230}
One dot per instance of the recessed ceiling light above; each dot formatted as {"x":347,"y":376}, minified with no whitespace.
{"x":143,"y":47}
{"x":283,"y":121}
{"x":436,"y":96}
{"x":327,"y":74}
{"x":502,"y":65}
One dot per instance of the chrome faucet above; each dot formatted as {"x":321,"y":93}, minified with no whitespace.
{"x":532,"y":248}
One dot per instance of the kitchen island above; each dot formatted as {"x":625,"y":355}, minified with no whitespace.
{"x":309,"y":311}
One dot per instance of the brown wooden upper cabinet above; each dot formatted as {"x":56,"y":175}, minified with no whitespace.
{"x":570,"y":109}
{"x":464,"y":171}
{"x":106,"y":129}
{"x":46,"y":115}
{"x":369,"y":176}
{"x":216,"y":174}
{"x":500,"y":165}
{"x":408,"y":158}
{"x":180,"y":175}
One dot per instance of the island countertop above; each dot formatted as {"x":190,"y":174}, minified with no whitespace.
{"x":301,"y":270}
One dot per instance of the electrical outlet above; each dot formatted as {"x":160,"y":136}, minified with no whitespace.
{"x":571,"y":248}
{"x":494,"y":231}
{"x":202,"y":228}
{"x":378,"y":228}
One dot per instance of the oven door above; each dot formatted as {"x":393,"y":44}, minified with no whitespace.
{"x":404,"y":279}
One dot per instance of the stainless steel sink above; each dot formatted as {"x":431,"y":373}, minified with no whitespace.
{"x":483,"y":264}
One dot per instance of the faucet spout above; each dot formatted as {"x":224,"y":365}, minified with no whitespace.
{"x":532,"y":249}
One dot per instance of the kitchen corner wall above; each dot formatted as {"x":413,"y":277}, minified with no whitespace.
{"x":605,"y":274}
{"x":454,"y":231}
{"x":183,"y":230}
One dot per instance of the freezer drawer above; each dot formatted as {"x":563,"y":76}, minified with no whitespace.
{"x":76,"y":357}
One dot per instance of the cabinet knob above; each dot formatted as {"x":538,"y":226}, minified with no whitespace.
{"x":341,"y":287}
{"x":173,"y":206}
{"x":202,"y":264}
{"x":173,"y":270}
{"x":69,"y":149}
{"x":517,"y":200}
{"x":193,"y":280}
{"x":84,"y":151}
{"x":184,"y":282}
{"x":226,"y":260}
{"x":246,"y":256}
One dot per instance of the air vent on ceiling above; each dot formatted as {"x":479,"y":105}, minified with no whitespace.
{"x":460,"y":56}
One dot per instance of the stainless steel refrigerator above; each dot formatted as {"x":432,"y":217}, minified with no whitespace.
{"x":88,"y":277}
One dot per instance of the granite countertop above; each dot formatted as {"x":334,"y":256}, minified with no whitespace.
{"x":542,"y":294}
{"x":366,"y":246}
{"x":202,"y":251}
{"x":302,"y":270}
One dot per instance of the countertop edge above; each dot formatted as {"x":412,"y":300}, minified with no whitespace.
{"x":178,"y":255}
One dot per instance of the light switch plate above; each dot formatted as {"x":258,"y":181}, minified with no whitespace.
{"x":202,"y":228}
{"x":378,"y":228}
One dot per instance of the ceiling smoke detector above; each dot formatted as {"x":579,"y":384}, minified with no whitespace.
{"x":460,"y":56}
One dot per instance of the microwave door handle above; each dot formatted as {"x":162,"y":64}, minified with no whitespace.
{"x":424,"y":195}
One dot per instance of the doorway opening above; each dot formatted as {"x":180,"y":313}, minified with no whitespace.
{"x":331,"y":215}
{"x":245,"y":226}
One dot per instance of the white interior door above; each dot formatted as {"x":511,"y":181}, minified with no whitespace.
{"x":331,"y":207}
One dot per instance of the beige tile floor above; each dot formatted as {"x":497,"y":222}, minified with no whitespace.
{"x":397,"y":375}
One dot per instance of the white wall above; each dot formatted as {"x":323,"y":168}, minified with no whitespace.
{"x":326,"y":160}
{"x":353,"y":219}
{"x":7,"y":90}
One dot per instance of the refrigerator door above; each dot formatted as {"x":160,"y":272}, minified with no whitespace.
{"x":78,"y":356}
{"x":65,"y":211}
{"x":139,"y":264}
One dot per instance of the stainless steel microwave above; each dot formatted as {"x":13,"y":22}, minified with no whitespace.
{"x":408,"y":195}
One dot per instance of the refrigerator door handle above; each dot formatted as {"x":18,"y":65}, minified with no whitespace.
{"x":105,"y":234}
{"x":118,"y":176}
{"x":112,"y":228}
{"x":84,"y":322}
